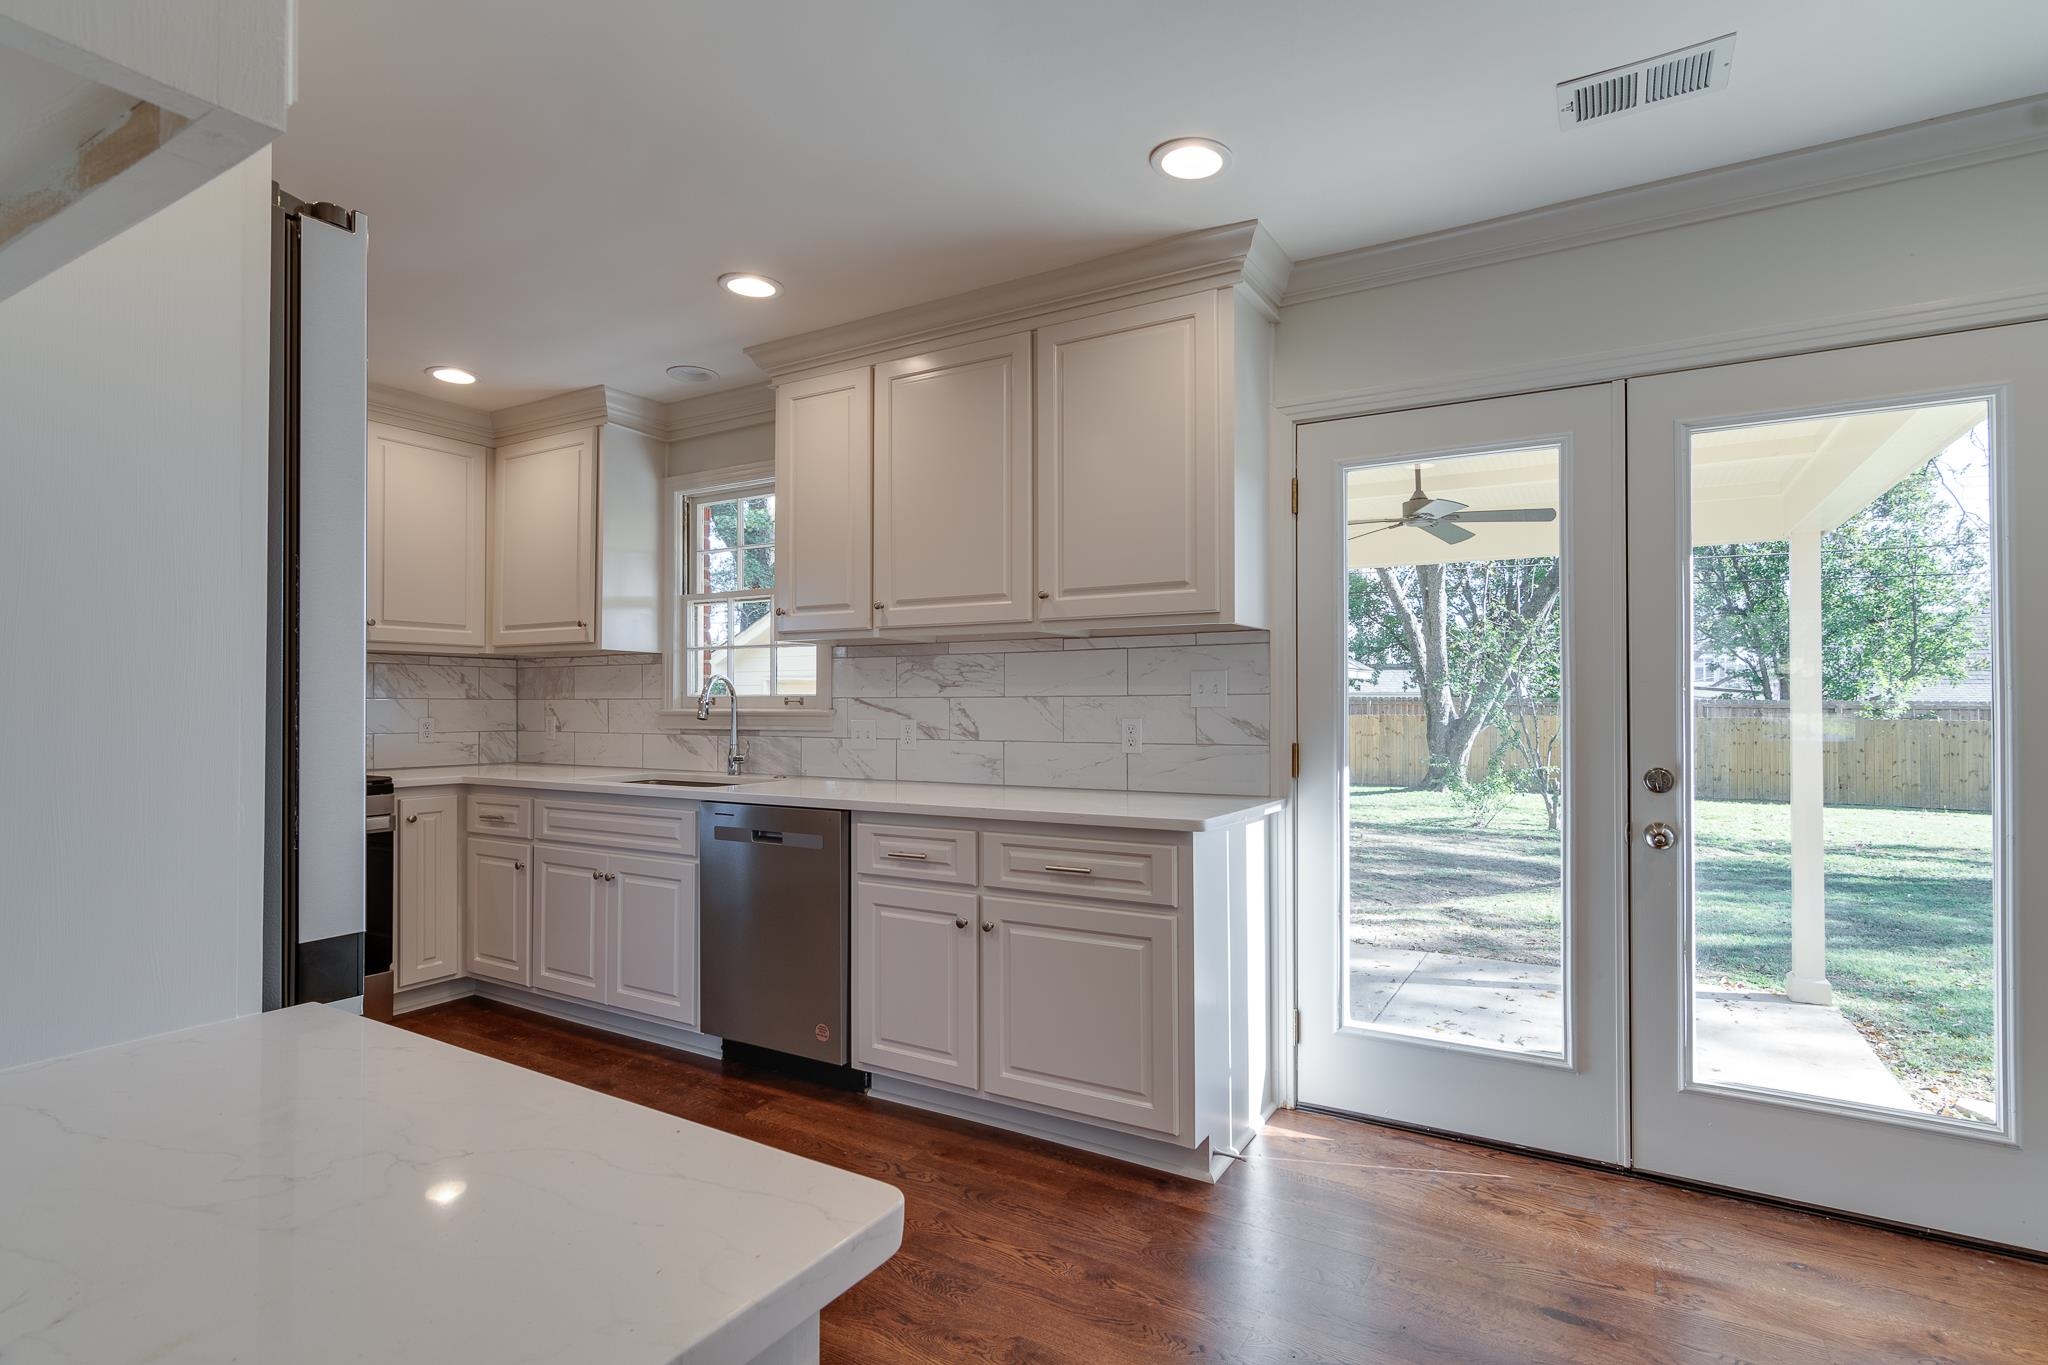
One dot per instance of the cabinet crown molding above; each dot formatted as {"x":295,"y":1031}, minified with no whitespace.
{"x":727,"y":410}
{"x":1217,"y":257}
{"x":417,"y":412}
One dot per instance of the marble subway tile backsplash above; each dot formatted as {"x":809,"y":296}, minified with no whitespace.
{"x":1037,"y":713}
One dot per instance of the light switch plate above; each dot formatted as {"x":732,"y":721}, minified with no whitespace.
{"x":861,"y":736}
{"x":909,"y":737}
{"x":426,"y":727}
{"x":1130,"y":734}
{"x":1210,"y":686}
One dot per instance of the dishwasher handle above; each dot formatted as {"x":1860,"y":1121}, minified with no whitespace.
{"x":773,"y":838}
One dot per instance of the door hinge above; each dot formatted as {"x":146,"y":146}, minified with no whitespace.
{"x":1297,"y":1026}
{"x":1294,"y":758}
{"x":1294,"y":497}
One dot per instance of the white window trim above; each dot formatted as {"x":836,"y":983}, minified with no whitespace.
{"x":815,"y":718}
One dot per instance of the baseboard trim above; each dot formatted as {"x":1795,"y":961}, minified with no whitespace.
{"x":601,"y":1017}
{"x":1200,"y":1163}
{"x":433,"y":993}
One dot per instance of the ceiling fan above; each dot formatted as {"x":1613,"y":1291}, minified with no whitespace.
{"x":1441,"y":517}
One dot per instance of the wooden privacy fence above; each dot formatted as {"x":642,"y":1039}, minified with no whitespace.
{"x":1934,"y":757}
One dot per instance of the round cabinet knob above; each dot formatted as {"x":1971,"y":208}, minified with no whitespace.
{"x":1043,"y":596}
{"x":959,"y":924}
{"x":412,"y":819}
{"x":597,"y":876}
{"x":880,"y":607}
{"x":583,"y":625}
{"x":371,"y":622}
{"x":1659,"y":835}
{"x":611,"y":876}
{"x":1659,"y":780}
{"x":519,"y":867}
{"x":989,"y":928}
{"x":782,"y":611}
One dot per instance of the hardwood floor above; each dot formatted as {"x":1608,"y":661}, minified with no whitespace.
{"x":1335,"y":1241}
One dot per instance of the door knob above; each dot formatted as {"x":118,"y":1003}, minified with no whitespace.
{"x":1659,"y":835}
{"x":1659,"y":780}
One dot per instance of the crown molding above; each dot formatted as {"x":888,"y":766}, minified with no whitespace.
{"x":726,"y":410}
{"x":545,"y":416}
{"x":2002,"y":131}
{"x":434,"y":416}
{"x":644,"y":415}
{"x":1218,"y":257}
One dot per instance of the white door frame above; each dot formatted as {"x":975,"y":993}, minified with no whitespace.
{"x":1969,"y":1179}
{"x":1576,"y":1105}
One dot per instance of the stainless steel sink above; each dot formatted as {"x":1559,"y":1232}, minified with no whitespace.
{"x":680,"y":782}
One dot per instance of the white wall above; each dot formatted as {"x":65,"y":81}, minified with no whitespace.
{"x":723,"y":450}
{"x":133,"y":440}
{"x":1624,"y":307}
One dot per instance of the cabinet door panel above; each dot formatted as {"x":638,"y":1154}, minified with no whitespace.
{"x":824,"y":503}
{"x":425,"y":535}
{"x":653,"y":937}
{"x":569,"y":898}
{"x":543,"y":541}
{"x":914,"y":987}
{"x":499,"y":896}
{"x":1081,"y":1010}
{"x":953,"y":486}
{"x":1128,"y":462}
{"x":429,"y":946}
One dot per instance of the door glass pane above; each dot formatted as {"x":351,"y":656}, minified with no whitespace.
{"x":1454,"y":923}
{"x":1843,"y":932}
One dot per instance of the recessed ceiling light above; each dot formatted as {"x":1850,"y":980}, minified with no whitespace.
{"x":750,"y":286}
{"x":446,"y":1192}
{"x":1190,"y":158}
{"x":691,"y":374}
{"x":449,"y":374}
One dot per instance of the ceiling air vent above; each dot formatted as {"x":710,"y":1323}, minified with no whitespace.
{"x":1624,"y":89}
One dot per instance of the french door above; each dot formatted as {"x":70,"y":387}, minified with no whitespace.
{"x":1692,"y":827}
{"x":1460,"y":942}
{"x":1838,"y":638}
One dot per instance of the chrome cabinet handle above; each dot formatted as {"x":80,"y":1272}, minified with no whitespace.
{"x":1077,"y":871}
{"x":1659,"y":835}
{"x":496,"y":819}
{"x":909,"y":857}
{"x":412,"y":819}
{"x":959,"y":924}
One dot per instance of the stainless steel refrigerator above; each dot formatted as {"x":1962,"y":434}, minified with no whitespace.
{"x":316,"y":939}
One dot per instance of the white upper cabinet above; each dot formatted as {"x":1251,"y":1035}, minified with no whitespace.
{"x":1127,"y":463}
{"x":544,"y":539}
{"x":952,"y":494}
{"x":824,"y":577}
{"x":1078,"y":452}
{"x":426,"y":540}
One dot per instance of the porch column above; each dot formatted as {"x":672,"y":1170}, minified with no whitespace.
{"x":1807,"y":982}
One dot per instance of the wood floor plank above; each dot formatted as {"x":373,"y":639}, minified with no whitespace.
{"x":1336,"y":1241}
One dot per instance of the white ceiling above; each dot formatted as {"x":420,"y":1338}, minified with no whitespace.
{"x":554,"y":188}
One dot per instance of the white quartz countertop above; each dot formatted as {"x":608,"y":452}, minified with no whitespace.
{"x":313,"y":1187}
{"x":964,"y":801}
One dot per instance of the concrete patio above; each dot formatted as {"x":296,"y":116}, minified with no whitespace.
{"x":1754,"y":1040}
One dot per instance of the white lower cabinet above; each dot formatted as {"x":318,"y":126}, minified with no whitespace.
{"x":569,"y":901}
{"x":429,"y":937}
{"x":916,"y":1001}
{"x":498,"y":927}
{"x":653,"y":937}
{"x":1081,"y":1009}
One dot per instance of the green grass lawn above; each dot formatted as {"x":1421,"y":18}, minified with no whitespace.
{"x":1909,"y":910}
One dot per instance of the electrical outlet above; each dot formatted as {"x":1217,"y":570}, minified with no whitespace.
{"x":426,"y":728}
{"x":861,"y":736}
{"x":1130,"y":733}
{"x":1210,"y":687}
{"x":909,"y":734}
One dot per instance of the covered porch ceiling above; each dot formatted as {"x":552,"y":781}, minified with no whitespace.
{"x":1758,"y":482}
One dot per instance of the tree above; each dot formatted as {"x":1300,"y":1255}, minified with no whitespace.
{"x":1470,"y":635}
{"x":1903,"y":586}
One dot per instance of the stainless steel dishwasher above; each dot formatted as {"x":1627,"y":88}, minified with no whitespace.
{"x":774,"y":939}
